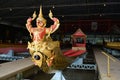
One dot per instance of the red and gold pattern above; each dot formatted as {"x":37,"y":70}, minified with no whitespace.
{"x":45,"y":52}
{"x":38,"y":33}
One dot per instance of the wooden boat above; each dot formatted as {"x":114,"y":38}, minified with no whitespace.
{"x":49,"y":57}
{"x":113,"y":45}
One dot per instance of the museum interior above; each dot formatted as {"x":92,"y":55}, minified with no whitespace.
{"x":59,"y":39}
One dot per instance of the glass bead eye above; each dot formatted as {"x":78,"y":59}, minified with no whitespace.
{"x":37,"y":57}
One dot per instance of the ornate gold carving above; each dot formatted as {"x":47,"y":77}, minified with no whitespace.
{"x":40,"y":17}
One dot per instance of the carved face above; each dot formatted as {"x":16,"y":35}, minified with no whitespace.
{"x":43,"y":60}
{"x":42,"y":53}
{"x":39,"y":23}
{"x":47,"y":55}
{"x":37,"y":58}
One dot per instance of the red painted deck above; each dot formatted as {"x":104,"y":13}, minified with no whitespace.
{"x":73,"y":53}
{"x":4,"y":48}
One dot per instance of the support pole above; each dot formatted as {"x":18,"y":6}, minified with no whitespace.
{"x":108,"y":63}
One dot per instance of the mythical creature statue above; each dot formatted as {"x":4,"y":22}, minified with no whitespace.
{"x":45,"y":52}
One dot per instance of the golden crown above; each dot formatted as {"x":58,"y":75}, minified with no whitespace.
{"x":40,"y":16}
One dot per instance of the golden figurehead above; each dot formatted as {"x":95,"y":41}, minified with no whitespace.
{"x":45,"y":52}
{"x":38,"y":33}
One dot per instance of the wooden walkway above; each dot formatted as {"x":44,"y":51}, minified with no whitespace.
{"x":12,"y":68}
{"x":113,"y":73}
{"x":7,"y":70}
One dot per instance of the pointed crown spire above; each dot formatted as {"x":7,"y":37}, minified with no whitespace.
{"x":40,"y":12}
{"x":40,"y":16}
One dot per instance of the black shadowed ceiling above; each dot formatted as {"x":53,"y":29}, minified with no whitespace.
{"x":72,"y":13}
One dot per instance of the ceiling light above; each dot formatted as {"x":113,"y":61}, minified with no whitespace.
{"x":104,"y":4}
{"x":10,"y":9}
{"x":100,"y":14}
{"x":53,"y":7}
